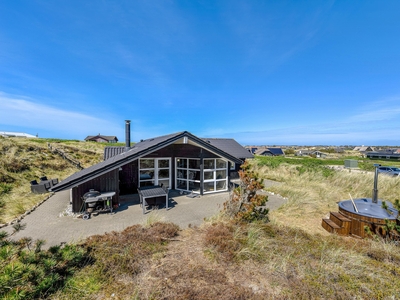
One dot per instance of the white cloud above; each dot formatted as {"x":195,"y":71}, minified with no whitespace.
{"x":377,"y":123}
{"x":28,"y":114}
{"x":384,"y":110}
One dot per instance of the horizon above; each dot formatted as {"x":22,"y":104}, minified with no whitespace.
{"x":284,"y":73}
{"x":246,"y":145}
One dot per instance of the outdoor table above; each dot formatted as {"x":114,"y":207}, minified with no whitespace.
{"x":152,"y":192}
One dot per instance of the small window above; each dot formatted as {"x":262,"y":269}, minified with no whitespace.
{"x":221,"y":164}
{"x":209,"y":164}
{"x":147,"y":163}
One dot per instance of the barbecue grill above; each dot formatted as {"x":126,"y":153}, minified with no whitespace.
{"x":96,"y":202}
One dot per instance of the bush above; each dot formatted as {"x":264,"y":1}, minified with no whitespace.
{"x":5,"y":178}
{"x":126,"y":253}
{"x":221,"y":238}
{"x":5,"y":188}
{"x":27,"y":272}
{"x":244,"y":203}
{"x":16,"y":165}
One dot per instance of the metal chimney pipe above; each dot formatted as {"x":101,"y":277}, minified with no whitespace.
{"x":127,"y":135}
{"x":375,"y":190}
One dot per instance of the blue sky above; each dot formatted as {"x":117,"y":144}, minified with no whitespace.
{"x":261,"y":72}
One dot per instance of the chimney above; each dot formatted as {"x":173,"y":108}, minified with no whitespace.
{"x":127,"y":135}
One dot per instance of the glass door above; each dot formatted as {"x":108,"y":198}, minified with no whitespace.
{"x":188,"y":174}
{"x":215,"y":175}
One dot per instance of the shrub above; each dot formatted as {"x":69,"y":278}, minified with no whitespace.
{"x":126,"y":253}
{"x":221,"y":238}
{"x":27,"y":273}
{"x":16,"y":165}
{"x":244,"y":203}
{"x":5,"y":178}
{"x":5,"y":188}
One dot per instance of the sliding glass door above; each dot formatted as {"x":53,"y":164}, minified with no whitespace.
{"x":188,"y":174}
{"x":215,"y":175}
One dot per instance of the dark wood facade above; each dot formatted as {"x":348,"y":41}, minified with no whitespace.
{"x":104,"y":183}
{"x":124,"y":180}
{"x":128,"y":178}
{"x":119,"y":172}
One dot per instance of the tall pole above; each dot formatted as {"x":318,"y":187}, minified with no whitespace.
{"x":375,"y":190}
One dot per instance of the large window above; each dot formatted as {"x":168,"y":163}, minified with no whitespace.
{"x":215,"y":175}
{"x":154,"y":171}
{"x":188,"y":175}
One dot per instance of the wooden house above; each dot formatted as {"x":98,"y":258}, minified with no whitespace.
{"x":268,"y":151}
{"x":101,"y":138}
{"x":178,"y":161}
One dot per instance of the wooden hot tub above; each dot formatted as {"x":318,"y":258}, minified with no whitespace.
{"x":369,"y":214}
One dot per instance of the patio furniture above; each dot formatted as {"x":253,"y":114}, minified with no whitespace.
{"x":38,"y":188}
{"x":152,"y":192}
{"x":43,"y":186}
{"x":96,"y":204}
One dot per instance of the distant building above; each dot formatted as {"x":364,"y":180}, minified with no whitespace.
{"x":252,"y":149}
{"x":363,"y":149}
{"x":383,"y":155}
{"x":270,"y":152}
{"x":314,"y":153}
{"x":101,"y":138}
{"x":16,"y":134}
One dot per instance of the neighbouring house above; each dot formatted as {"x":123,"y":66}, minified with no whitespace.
{"x":252,"y":149}
{"x":338,"y":150}
{"x":363,"y":149}
{"x":101,"y":138}
{"x":178,"y":161}
{"x":270,"y":152}
{"x":16,"y":134}
{"x":392,"y":155}
{"x":314,"y":153}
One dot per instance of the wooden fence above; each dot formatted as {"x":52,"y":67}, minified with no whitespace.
{"x":64,"y":155}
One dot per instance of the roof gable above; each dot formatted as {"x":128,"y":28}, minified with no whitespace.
{"x":273,"y":151}
{"x":103,"y":137}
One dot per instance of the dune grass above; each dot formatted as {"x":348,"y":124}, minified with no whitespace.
{"x":24,"y":160}
{"x":290,"y":257}
{"x":312,"y":194}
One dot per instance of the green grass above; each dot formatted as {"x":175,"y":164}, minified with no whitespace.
{"x":27,"y":272}
{"x":312,"y":163}
{"x":24,"y":160}
{"x":291,"y":257}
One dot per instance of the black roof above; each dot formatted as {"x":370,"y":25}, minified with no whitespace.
{"x":276,"y":151}
{"x":230,"y":146}
{"x":104,"y":137}
{"x":140,"y":149}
